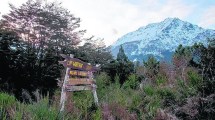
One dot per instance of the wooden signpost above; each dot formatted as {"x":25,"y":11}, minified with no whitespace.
{"x":78,"y":77}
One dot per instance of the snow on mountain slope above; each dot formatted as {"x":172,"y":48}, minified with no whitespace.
{"x":161,"y":39}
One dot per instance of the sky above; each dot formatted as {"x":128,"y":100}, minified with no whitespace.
{"x":111,"y":19}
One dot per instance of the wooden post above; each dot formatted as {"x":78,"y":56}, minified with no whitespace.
{"x":94,"y":88}
{"x":95,"y":95}
{"x":63,"y":90}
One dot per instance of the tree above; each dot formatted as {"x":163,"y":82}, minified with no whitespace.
{"x":12,"y":52}
{"x":43,"y":25}
{"x":94,"y":51}
{"x":43,"y":31}
{"x":151,"y":67}
{"x":206,"y":65}
{"x":121,"y":57}
{"x":121,"y":67}
{"x":181,"y":60}
{"x":203,"y":60}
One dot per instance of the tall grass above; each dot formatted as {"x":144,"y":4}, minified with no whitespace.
{"x":122,"y":102}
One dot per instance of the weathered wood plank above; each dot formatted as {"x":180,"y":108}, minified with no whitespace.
{"x":80,"y":81}
{"x":78,"y":88}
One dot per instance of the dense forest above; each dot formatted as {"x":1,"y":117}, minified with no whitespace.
{"x":33,"y":36}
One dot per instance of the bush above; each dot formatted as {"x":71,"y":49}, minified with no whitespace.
{"x":167,"y":95}
{"x":152,"y":104}
{"x":10,"y":108}
{"x":132,"y":82}
{"x":102,"y":80}
{"x":194,"y":79}
{"x":84,"y":103}
{"x":7,"y":101}
{"x":41,"y":110}
{"x":160,"y":80}
{"x":97,"y":115}
{"x":149,"y":90}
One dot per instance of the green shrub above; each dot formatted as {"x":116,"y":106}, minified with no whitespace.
{"x":20,"y":112}
{"x":194,"y":79}
{"x":136,"y":102}
{"x":167,"y":95}
{"x":8,"y":104}
{"x":102,"y":80}
{"x":3,"y":113}
{"x":42,"y":111}
{"x":117,"y":95}
{"x":160,"y":80}
{"x":185,"y":90}
{"x":152,"y":104}
{"x":83,"y":101}
{"x":131,"y":82}
{"x":97,"y":115}
{"x":182,"y":90}
{"x":7,"y":101}
{"x":149,"y":90}
{"x":117,"y":80}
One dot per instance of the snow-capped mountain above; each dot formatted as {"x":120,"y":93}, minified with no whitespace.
{"x":161,"y":39}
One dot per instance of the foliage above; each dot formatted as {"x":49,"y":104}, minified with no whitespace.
{"x":151,"y":67}
{"x":132,"y":82}
{"x":194,"y":79}
{"x":124,"y":66}
{"x":43,"y":24}
{"x":152,"y":104}
{"x":121,"y":67}
{"x":7,"y":101}
{"x":20,"y":68}
{"x":160,"y":80}
{"x":7,"y":105}
{"x":167,"y":95}
{"x":30,"y":53}
{"x":41,"y":110}
{"x":207,"y":66}
{"x":149,"y":90}
{"x":206,"y":88}
{"x":94,"y":51}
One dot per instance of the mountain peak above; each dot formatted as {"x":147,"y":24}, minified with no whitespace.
{"x":171,"y":19}
{"x":157,"y":38}
{"x":166,"y":21}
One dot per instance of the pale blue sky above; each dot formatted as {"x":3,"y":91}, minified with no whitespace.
{"x":110,"y":19}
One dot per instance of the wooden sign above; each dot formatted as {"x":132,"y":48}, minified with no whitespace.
{"x":78,"y":73}
{"x":78,"y":77}
{"x":80,"y":81}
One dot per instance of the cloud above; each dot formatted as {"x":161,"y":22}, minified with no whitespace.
{"x":4,"y":5}
{"x":110,"y":19}
{"x":102,"y":17}
{"x":208,"y":18}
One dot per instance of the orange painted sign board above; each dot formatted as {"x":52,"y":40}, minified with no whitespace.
{"x":77,"y":64}
{"x":78,"y":73}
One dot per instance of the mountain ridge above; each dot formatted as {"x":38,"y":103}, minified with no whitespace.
{"x":161,"y":39}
